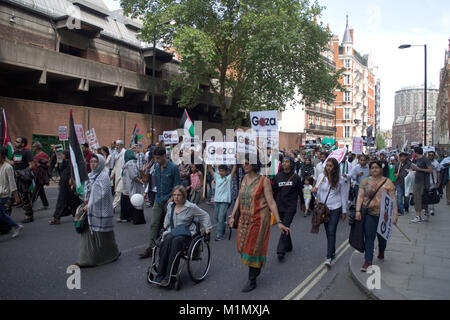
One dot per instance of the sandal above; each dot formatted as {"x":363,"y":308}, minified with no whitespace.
{"x":54,"y":221}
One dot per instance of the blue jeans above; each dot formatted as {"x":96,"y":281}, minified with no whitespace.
{"x":402,"y":201}
{"x":220,"y":214}
{"x":370,"y":232}
{"x":3,"y":216}
{"x":330,"y":229}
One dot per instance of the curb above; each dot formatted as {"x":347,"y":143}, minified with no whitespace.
{"x":360,"y":278}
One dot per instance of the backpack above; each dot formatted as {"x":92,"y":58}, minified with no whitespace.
{"x":444,"y":175}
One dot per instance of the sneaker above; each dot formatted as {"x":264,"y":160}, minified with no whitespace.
{"x":328,"y":262}
{"x":426,"y":218}
{"x":365,"y":266}
{"x":432,"y":212}
{"x":17,"y":231}
{"x":417,"y":219}
{"x":217,"y":238}
{"x":121,"y":220}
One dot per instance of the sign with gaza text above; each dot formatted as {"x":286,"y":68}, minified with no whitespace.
{"x":170,"y":137}
{"x":264,"y":123}
{"x":246,"y":142}
{"x":386,"y":216}
{"x":338,"y":154}
{"x":357,"y":146}
{"x":80,"y":133}
{"x":220,"y":153}
{"x":92,"y":139}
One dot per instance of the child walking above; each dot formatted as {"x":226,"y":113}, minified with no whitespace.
{"x":196,"y":184}
{"x":222,"y":197}
{"x":307,"y":195}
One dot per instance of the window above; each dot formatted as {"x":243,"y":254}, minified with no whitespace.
{"x":347,"y":132}
{"x":347,"y":63}
{"x":347,"y":79}
{"x":346,"y":114}
{"x":347,"y":97}
{"x":318,"y":120}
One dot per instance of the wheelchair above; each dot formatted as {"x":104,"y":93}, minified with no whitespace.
{"x":196,"y":255}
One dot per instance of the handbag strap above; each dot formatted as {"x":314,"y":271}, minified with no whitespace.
{"x":373,"y":196}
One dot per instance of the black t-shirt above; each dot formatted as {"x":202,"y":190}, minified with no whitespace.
{"x":423,"y":177}
{"x":286,"y":193}
{"x":22,"y":159}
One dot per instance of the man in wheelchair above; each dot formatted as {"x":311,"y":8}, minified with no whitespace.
{"x":178,"y":230}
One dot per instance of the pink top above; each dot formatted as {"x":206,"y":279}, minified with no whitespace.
{"x":195,"y":181}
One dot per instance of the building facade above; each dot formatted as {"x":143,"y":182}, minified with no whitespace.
{"x":409,"y":116}
{"x":442,"y":123}
{"x":377,"y":108}
{"x":61,"y":54}
{"x":355,"y":106}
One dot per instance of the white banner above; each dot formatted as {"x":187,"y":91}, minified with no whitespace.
{"x":386,"y":216}
{"x":357,"y":146}
{"x":80,"y":133}
{"x":220,"y":153}
{"x":170,"y":137}
{"x":428,"y":149}
{"x":338,"y":154}
{"x":92,"y":139}
{"x":264,"y":123}
{"x":62,"y":133}
{"x":246,"y":142}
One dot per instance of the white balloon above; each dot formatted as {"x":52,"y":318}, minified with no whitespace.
{"x":137,"y":200}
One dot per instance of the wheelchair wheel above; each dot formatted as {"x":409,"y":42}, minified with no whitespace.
{"x":153,"y":268}
{"x":198,"y":259}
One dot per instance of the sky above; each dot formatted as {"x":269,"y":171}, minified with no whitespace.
{"x":380,"y":27}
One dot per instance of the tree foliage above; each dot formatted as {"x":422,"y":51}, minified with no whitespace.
{"x":379,"y":142}
{"x":252,"y":54}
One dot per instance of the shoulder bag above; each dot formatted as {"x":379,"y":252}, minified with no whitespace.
{"x":320,"y":215}
{"x":80,"y":219}
{"x":432,"y":195}
{"x":181,"y":230}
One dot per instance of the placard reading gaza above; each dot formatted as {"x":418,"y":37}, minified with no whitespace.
{"x":220,"y":153}
{"x":246,"y":142}
{"x":170,"y":137}
{"x":264,"y":123}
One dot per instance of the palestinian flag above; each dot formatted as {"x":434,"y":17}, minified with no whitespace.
{"x":78,"y":163}
{"x":136,"y":136}
{"x":186,"y":123}
{"x":5,"y":139}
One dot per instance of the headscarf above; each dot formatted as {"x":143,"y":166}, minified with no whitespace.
{"x":129,"y":155}
{"x":100,"y":167}
{"x":291,"y":160}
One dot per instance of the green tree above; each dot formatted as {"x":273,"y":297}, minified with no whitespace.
{"x":379,"y":142}
{"x":252,"y":54}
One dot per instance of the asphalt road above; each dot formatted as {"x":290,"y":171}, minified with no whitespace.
{"x":34,"y":266}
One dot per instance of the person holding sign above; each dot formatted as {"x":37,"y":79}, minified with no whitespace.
{"x":369,"y":194}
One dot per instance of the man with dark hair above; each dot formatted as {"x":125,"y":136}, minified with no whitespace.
{"x":167,"y":177}
{"x":87,"y":155}
{"x":41,"y":172}
{"x":423,"y":168}
{"x":23,"y":169}
{"x":400,"y":172}
{"x":385,"y":165}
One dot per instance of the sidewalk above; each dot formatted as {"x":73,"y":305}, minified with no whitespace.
{"x":416,"y":270}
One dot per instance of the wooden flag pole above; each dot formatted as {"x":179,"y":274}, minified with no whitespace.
{"x":404,"y":234}
{"x":204,"y":183}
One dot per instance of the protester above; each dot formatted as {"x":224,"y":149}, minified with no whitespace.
{"x":118,"y":160}
{"x":372,"y":188}
{"x":307,"y":195}
{"x":435,"y":177}
{"x":400,"y":172}
{"x":422,"y":167}
{"x":319,"y":168}
{"x":167,"y":177}
{"x":445,"y":176}
{"x":7,"y":188}
{"x":254,"y":202}
{"x":183,"y":213}
{"x":287,"y":188}
{"x":87,"y":155}
{"x":385,"y":164}
{"x":98,"y":245}
{"x":23,"y":170}
{"x":307,"y":170}
{"x":67,"y":201}
{"x":222,"y":197}
{"x":332,"y":193}
{"x":41,"y":165}
{"x":196,"y":186}
{"x":132,"y":184}
{"x":104,"y":151}
{"x":359,"y":173}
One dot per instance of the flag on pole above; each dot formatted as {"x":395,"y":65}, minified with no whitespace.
{"x":76,"y":158}
{"x":136,"y":136}
{"x":186,"y":123}
{"x":6,"y":140}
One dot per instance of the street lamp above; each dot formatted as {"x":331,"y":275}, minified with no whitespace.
{"x":171,"y":22}
{"x":406,"y":46}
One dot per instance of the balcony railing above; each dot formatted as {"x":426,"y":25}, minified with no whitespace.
{"x":314,"y":127}
{"x":320,"y":110}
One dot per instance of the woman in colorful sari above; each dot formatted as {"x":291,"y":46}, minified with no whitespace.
{"x":255,"y":201}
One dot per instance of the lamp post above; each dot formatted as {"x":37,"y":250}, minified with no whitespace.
{"x":171,"y":22}
{"x":406,"y":46}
